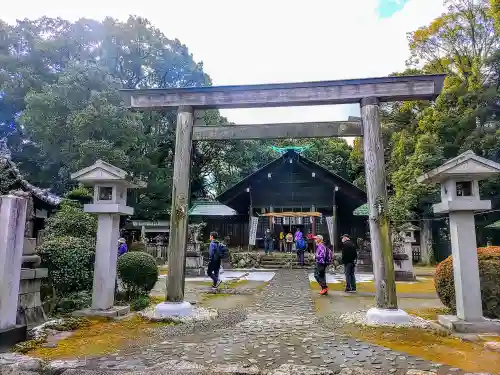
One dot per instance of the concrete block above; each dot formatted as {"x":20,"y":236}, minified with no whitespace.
{"x":113,"y":312}
{"x":11,"y":336}
{"x":41,"y":273}
{"x":381,"y":317}
{"x":455,"y":324}
{"x":27,"y":273}
{"x":29,"y":246}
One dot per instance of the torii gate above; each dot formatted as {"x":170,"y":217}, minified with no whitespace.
{"x":369,"y":92}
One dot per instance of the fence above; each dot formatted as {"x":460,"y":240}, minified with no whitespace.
{"x":159,"y":252}
{"x":417,"y":255}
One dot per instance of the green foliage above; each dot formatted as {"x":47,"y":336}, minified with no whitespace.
{"x":139,"y":303}
{"x":489,"y":273}
{"x":6,"y":180}
{"x":80,"y":194}
{"x":29,"y":345}
{"x":70,"y":261}
{"x":138,"y":272}
{"x":71,"y":221}
{"x":73,"y":301}
{"x":69,"y":324}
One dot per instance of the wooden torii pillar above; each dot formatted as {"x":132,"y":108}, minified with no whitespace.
{"x":367,"y":92}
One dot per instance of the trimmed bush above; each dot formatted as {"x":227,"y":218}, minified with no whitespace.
{"x":70,"y":262}
{"x":489,"y":274}
{"x":137,"y":272}
{"x":71,"y":221}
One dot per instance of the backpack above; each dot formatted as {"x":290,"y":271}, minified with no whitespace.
{"x":221,"y":250}
{"x":328,"y":256}
{"x":301,"y":244}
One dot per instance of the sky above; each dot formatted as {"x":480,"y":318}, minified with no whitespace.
{"x":270,"y":41}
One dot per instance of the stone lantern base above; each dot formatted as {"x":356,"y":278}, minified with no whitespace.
{"x":455,"y":324}
{"x":194,"y":264}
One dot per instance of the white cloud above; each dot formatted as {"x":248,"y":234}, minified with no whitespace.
{"x":265,"y":41}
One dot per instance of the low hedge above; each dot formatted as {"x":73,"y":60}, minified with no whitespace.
{"x":489,"y":274}
{"x":70,"y":261}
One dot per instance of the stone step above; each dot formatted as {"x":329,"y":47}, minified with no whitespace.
{"x":294,"y":266}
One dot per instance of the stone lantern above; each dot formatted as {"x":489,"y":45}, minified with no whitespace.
{"x":110,"y":185}
{"x":459,"y":179}
{"x":403,"y":260}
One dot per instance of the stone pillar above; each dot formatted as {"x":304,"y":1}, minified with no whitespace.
{"x":12,"y":225}
{"x":465,"y":266}
{"x":108,"y":231}
{"x":383,"y":267}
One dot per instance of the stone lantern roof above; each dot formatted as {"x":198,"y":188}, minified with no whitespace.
{"x":104,"y":172}
{"x":467,"y":166}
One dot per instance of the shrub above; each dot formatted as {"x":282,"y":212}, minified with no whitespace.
{"x":70,"y":262}
{"x":139,"y":303}
{"x":71,"y":221}
{"x":80,"y":194}
{"x":73,"y":301}
{"x":138,"y":273}
{"x":137,"y":246}
{"x":489,"y":274}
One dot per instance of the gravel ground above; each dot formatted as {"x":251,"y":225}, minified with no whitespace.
{"x":359,"y":318}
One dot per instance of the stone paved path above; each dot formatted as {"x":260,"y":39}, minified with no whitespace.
{"x":281,"y":329}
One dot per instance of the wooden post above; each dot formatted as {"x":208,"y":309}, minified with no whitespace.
{"x":373,"y":149}
{"x":250,"y":214}
{"x":313,"y":220}
{"x":334,"y":241}
{"x":180,"y":205}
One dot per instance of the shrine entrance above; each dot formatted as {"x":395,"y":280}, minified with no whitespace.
{"x":369,"y":93}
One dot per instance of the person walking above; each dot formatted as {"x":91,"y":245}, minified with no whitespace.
{"x":122,"y":246}
{"x":300,"y":247}
{"x":282,"y":240}
{"x":268,"y":241}
{"x":289,"y":242}
{"x":310,"y":242}
{"x":349,"y":257}
{"x":215,"y":253}
{"x":321,"y":264}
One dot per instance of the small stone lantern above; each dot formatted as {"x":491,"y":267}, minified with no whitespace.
{"x":407,"y":232}
{"x":403,"y":261}
{"x":110,"y":197}
{"x":459,"y":179}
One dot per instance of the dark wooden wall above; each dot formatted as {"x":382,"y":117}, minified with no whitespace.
{"x":290,"y":186}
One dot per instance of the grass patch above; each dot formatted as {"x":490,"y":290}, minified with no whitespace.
{"x":102,"y":336}
{"x":422,"y":286}
{"x":162,"y":271}
{"x":209,"y":296}
{"x":425,"y":344}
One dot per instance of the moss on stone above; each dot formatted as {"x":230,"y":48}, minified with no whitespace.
{"x":430,"y":346}
{"x":429,"y":313}
{"x":103,"y":336}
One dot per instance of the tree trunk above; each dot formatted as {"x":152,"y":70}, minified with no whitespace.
{"x":180,"y":205}
{"x":373,"y":147}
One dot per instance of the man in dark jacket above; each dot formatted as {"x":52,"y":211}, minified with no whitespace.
{"x":349,"y":257}
{"x":214,"y":260}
